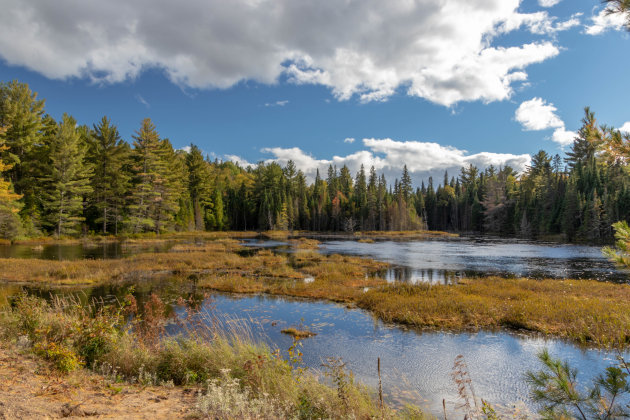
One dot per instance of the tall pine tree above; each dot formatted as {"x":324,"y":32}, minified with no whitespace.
{"x":68,"y":180}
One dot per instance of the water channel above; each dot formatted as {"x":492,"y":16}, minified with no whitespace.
{"x":416,"y":365}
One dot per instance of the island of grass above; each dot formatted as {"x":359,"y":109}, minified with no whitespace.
{"x":298,"y":333}
{"x":586,"y":311}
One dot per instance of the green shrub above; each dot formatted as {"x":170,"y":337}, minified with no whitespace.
{"x":63,"y":358}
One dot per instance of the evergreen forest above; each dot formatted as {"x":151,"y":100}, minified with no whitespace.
{"x":63,"y":179}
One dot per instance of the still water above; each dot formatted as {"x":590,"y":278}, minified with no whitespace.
{"x":415,"y":365}
{"x":433,"y":261}
{"x":444,"y":261}
{"x":81,"y":251}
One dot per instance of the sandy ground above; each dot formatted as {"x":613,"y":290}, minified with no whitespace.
{"x":30,"y":390}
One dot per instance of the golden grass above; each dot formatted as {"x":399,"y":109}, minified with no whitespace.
{"x":406,"y":234}
{"x":298,"y":334}
{"x":586,"y":311}
{"x":305,"y":243}
{"x":582,"y":310}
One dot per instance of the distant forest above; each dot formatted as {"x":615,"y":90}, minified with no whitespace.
{"x":63,"y":179}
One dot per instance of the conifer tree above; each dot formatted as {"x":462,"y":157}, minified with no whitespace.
{"x":170,"y":185}
{"x":198,"y":185}
{"x":21,"y":113}
{"x":109,"y":155}
{"x":9,"y":221}
{"x":148,"y":168}
{"x":68,"y":180}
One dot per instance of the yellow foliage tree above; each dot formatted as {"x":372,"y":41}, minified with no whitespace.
{"x":8,"y":199}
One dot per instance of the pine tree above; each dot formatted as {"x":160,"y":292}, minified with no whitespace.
{"x":170,"y":186}
{"x":405,"y":184}
{"x":148,"y":168}
{"x":198,"y":184}
{"x":68,"y":181}
{"x":619,"y":6}
{"x":108,"y":154}
{"x":21,"y":113}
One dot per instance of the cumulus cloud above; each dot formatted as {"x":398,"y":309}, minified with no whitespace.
{"x":423,"y":159}
{"x":548,"y":3}
{"x":563,"y":137}
{"x":536,"y":114}
{"x":625,"y":128}
{"x":370,"y":49}
{"x":349,"y":140}
{"x":604,"y":21}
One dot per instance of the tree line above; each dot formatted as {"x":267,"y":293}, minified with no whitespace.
{"x":64,"y":179}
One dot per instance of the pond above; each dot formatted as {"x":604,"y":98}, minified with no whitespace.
{"x":416,"y":366}
{"x":433,"y":261}
{"x":446,"y":260}
{"x":81,"y":251}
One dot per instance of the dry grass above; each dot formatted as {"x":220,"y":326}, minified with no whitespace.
{"x":211,"y":258}
{"x":305,"y":243}
{"x":406,"y":234}
{"x":298,"y":333}
{"x":586,"y":311}
{"x":244,"y":379}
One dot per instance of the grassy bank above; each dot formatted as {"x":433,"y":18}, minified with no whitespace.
{"x":213,"y":235}
{"x":588,"y":312}
{"x":585,"y":311}
{"x":237,"y":378}
{"x":220,"y":257}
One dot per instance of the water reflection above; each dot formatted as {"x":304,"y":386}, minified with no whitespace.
{"x":445,"y":261}
{"x":416,"y":366}
{"x":81,"y":251}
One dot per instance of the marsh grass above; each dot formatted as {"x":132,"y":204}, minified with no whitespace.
{"x":298,"y":333}
{"x":406,"y":234}
{"x":588,"y":312}
{"x":237,"y":377}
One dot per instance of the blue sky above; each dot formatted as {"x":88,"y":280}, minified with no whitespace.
{"x":262,"y":79}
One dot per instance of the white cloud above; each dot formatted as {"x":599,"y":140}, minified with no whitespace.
{"x":442,"y":51}
{"x":243,"y":163}
{"x":536,"y":114}
{"x":603,"y":21}
{"x":548,"y":3}
{"x":423,"y":159}
{"x":277,"y":103}
{"x":563,"y":137}
{"x":625,"y":128}
{"x":185,"y":149}
{"x":539,"y":23}
{"x":349,"y":140}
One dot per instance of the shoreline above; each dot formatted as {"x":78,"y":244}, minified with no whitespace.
{"x":584,"y":311}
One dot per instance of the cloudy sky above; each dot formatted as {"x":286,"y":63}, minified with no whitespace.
{"x":433,"y":84}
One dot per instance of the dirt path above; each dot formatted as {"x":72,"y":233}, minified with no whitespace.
{"x":30,"y":390}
